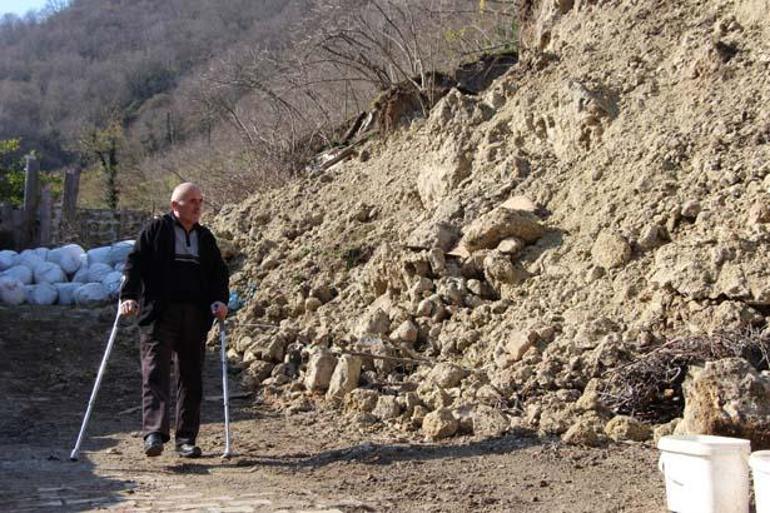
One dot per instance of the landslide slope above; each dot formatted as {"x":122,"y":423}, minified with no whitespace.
{"x":609,"y":193}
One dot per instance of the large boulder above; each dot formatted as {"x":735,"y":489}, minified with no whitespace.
{"x":345,"y":376}
{"x":319,"y":370}
{"x":730,"y":398}
{"x":487,"y":231}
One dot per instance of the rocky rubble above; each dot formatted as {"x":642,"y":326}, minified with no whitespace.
{"x":496,"y":259}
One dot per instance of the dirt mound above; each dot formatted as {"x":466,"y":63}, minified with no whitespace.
{"x":608,"y":193}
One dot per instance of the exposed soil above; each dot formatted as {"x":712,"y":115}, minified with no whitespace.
{"x":310,"y":461}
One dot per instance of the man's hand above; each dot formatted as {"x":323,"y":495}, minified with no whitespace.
{"x":129,"y":307}
{"x":219,"y":309}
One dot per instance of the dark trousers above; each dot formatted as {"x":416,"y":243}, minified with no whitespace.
{"x":179,"y":331}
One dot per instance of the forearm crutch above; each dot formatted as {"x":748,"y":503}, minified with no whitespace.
{"x":99,"y":376}
{"x":225,"y":395}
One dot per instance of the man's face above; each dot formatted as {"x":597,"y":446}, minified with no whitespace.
{"x":188,"y":209}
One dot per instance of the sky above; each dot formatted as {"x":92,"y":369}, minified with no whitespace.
{"x":20,"y":7}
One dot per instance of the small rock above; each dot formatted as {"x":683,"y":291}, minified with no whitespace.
{"x":511,"y":246}
{"x":446,"y":375}
{"x":439,"y":424}
{"x":374,"y":322}
{"x":665,"y":429}
{"x":258,"y":371}
{"x":759,"y":213}
{"x":361,"y":399}
{"x":418,"y":415}
{"x":312,"y":304}
{"x":651,"y":237}
{"x":520,"y":342}
{"x":501,"y":223}
{"x":424,"y":308}
{"x":610,"y":250}
{"x":691,"y":209}
{"x":387,"y":407}
{"x":406,"y":331}
{"x":588,"y":430}
{"x":622,"y":427}
{"x":437,"y":261}
{"x":489,"y":422}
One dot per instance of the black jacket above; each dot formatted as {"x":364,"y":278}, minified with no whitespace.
{"x":148,"y":268}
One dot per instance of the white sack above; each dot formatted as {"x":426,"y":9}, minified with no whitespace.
{"x":119,"y":251}
{"x":66,"y":292}
{"x":112,"y":283}
{"x":48,"y":272}
{"x":91,"y":294}
{"x":99,"y":255}
{"x":81,"y":276}
{"x":12,"y":292}
{"x":7,"y":259}
{"x":67,"y":257}
{"x":20,"y":273}
{"x":29,"y":259}
{"x":98,"y":272}
{"x":42,"y":294}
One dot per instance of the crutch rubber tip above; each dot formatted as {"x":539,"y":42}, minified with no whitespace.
{"x":73,"y":458}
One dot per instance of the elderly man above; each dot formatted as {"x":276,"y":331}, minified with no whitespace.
{"x":176,"y":282}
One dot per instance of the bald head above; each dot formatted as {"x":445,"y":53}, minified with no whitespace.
{"x":187,"y":204}
{"x":184,"y":189}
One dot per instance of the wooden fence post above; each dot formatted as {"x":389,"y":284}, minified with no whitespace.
{"x":70,"y":195}
{"x":45,"y":212}
{"x":31,"y":191}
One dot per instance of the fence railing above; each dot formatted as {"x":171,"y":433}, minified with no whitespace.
{"x":40,"y":222}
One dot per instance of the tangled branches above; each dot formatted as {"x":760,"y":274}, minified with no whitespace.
{"x":650,"y":387}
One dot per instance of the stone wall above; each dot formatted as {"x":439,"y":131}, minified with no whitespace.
{"x":98,"y":227}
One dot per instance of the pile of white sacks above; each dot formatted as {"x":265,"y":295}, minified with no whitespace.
{"x":66,"y":275}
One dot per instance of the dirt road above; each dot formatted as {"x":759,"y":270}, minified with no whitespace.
{"x":310,"y":461}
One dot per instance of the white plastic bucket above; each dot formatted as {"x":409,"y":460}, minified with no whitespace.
{"x":705,"y":474}
{"x":760,"y":468}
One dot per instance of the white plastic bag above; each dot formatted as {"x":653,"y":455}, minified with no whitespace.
{"x":48,"y":272}
{"x":99,"y":255}
{"x":7,"y":259}
{"x":67,"y":257}
{"x":91,"y":294}
{"x":98,"y":272}
{"x":111,"y":282}
{"x":120,"y":251}
{"x":81,"y":275}
{"x":12,"y":291}
{"x":66,"y":292}
{"x":29,"y":258}
{"x":42,"y":294}
{"x":20,"y":273}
